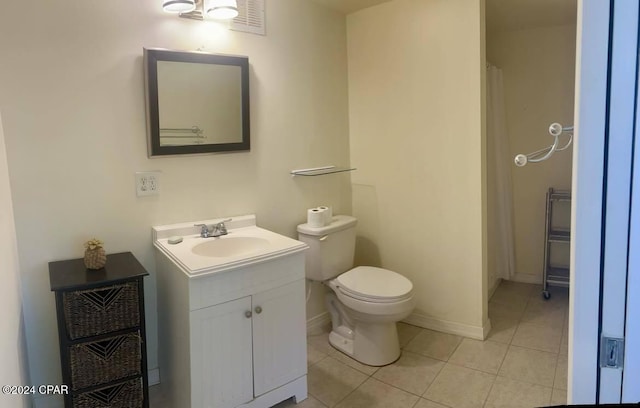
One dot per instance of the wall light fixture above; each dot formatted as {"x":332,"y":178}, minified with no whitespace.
{"x":178,"y":6}
{"x":198,"y":9}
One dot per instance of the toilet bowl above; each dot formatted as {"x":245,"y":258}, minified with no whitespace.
{"x":364,"y":313}
{"x":365,"y":302}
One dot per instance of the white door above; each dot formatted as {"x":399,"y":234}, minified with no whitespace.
{"x":631,"y":371}
{"x":221,"y":371}
{"x":618,"y":169}
{"x":279,"y":336}
{"x":607,"y":233}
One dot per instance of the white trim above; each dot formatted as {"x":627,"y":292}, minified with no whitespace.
{"x":631,"y":378}
{"x":526,"y":278}
{"x":153,"y":376}
{"x":622,"y":95}
{"x":296,"y":389}
{"x":460,"y":329}
{"x":317,"y":323}
{"x":586,"y":208}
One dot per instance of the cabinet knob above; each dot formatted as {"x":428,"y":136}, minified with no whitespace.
{"x":248,"y":314}
{"x":258,"y":309}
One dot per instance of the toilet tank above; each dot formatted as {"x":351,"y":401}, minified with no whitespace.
{"x":331,"y":248}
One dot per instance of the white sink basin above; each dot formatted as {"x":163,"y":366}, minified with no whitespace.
{"x":244,"y":245}
{"x":227,"y":246}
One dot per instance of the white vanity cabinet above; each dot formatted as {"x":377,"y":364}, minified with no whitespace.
{"x":235,"y":338}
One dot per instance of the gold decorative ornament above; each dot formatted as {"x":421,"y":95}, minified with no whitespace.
{"x":94,"y":255}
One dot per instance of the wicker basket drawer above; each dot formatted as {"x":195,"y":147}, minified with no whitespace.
{"x":102,"y":310}
{"x":127,"y":394}
{"x":98,"y":362}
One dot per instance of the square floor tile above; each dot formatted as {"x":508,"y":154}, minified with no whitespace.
{"x":407,"y":332}
{"x":363,"y":368}
{"x":330,"y":381}
{"x":560,"y":381}
{"x":310,"y":402}
{"x":507,"y":393}
{"x":529,"y":365}
{"x":424,"y":403}
{"x":545,"y":316}
{"x":514,"y":311}
{"x":434,"y":344}
{"x":412,"y":372}
{"x":502,"y":329}
{"x":375,"y":394}
{"x":558,"y":397}
{"x":534,"y":336}
{"x":320,"y":343}
{"x":512,"y":293}
{"x":460,"y":387}
{"x":314,"y":355}
{"x":516,"y":289}
{"x":157,"y":397}
{"x":485,"y":356}
{"x":559,"y":299}
{"x":564,"y":343}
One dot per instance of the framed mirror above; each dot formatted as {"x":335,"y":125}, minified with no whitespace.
{"x":196,"y":102}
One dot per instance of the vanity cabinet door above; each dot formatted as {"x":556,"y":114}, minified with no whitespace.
{"x":221,"y":374}
{"x":279,"y":336}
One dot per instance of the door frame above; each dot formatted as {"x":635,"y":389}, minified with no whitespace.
{"x":592,"y":56}
{"x":603,"y":226}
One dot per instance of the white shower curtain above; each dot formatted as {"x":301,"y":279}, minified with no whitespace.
{"x":499,"y":164}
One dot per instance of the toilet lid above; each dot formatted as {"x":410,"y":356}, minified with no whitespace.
{"x":374,"y":284}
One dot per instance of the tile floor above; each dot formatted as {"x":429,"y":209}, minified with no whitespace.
{"x":523,"y":362}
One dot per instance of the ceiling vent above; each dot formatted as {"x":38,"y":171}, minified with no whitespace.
{"x":250,"y":17}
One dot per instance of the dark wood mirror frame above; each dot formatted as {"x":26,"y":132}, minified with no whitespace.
{"x":151,"y":58}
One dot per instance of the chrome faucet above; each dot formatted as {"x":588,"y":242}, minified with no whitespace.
{"x":204,"y":230}
{"x":218,"y":229}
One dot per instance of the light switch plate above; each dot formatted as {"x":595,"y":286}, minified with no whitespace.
{"x":147,"y":183}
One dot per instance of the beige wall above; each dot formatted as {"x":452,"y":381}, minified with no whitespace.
{"x":416,"y":102}
{"x":71,"y":93}
{"x":11,"y":324}
{"x":538,"y":67}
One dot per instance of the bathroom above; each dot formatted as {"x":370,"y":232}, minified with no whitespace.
{"x":73,"y":119}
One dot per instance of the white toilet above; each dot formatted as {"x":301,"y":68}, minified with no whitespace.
{"x":366,"y":301}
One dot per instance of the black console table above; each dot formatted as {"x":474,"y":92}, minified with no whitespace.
{"x":101,"y":328}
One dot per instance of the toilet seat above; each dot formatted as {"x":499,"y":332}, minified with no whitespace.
{"x":374,"y":285}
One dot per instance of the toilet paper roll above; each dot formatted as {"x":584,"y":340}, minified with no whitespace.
{"x":316,"y":217}
{"x":328,"y":215}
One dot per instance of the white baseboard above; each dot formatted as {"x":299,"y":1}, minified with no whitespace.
{"x":526,"y":278}
{"x":153,"y":376}
{"x":466,"y":330}
{"x":317,"y":323}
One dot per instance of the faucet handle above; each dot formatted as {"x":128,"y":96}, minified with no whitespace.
{"x":204,"y":230}
{"x":220,"y":228}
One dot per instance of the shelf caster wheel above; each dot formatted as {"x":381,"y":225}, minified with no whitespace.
{"x":546,"y":295}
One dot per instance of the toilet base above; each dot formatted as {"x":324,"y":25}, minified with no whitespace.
{"x":372,"y":344}
{"x":341,"y":343}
